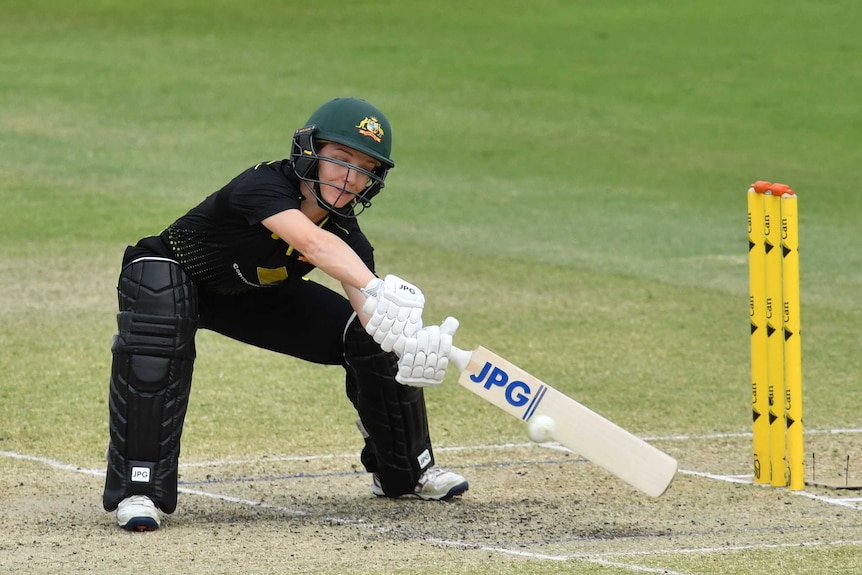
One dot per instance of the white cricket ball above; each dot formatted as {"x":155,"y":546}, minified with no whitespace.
{"x":541,"y":428}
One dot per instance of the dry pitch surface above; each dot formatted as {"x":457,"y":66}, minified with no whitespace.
{"x":530,"y":509}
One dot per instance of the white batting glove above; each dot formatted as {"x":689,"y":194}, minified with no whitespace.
{"x":395,"y":307}
{"x":425,"y":357}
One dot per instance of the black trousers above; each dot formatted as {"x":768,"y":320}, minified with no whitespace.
{"x":304,"y":320}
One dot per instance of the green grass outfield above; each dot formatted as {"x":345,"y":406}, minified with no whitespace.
{"x":570,"y":184}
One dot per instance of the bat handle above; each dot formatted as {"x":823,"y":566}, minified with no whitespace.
{"x":460,"y":358}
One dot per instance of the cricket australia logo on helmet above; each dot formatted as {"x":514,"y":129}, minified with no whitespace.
{"x":371,"y":127}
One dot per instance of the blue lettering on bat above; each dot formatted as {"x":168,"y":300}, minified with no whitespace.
{"x":516,"y":392}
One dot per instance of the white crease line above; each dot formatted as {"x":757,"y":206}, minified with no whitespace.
{"x":850,"y":502}
{"x":709,"y":550}
{"x":249,"y":502}
{"x":684,"y":437}
{"x":718,"y":477}
{"x":532,"y":555}
{"x":52,"y":463}
{"x":495,"y":549}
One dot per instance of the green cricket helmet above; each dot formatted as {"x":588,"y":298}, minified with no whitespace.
{"x":351,"y":122}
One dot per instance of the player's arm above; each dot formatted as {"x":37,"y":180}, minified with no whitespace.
{"x":390,"y":309}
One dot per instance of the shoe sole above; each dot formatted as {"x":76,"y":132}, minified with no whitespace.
{"x":141,"y":524}
{"x":454,"y":492}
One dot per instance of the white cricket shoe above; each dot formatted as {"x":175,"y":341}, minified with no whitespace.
{"x":138,"y":513}
{"x":436,"y":484}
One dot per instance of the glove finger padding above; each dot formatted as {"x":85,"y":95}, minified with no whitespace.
{"x":447,"y":330}
{"x":449,"y":326}
{"x":395,"y":307}
{"x":425,"y":357}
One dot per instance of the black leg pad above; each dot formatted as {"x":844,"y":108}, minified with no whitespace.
{"x":151,"y":375}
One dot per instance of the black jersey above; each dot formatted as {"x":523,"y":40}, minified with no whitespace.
{"x":224,"y":247}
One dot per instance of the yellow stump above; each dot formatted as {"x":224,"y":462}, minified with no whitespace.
{"x":757,"y":311}
{"x":792,"y":338}
{"x":774,"y":339}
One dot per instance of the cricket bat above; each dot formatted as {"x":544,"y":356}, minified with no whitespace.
{"x":582,"y":430}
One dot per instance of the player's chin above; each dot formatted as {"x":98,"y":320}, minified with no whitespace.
{"x":343,"y":204}
{"x":341,"y":198}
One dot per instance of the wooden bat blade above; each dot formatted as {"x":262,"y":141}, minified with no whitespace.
{"x":582,"y":430}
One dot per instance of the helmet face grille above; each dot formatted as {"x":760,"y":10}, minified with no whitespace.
{"x":306,"y":159}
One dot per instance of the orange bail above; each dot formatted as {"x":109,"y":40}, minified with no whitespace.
{"x":761,"y":186}
{"x":780,"y":190}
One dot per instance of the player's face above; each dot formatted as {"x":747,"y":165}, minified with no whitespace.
{"x":340,"y":176}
